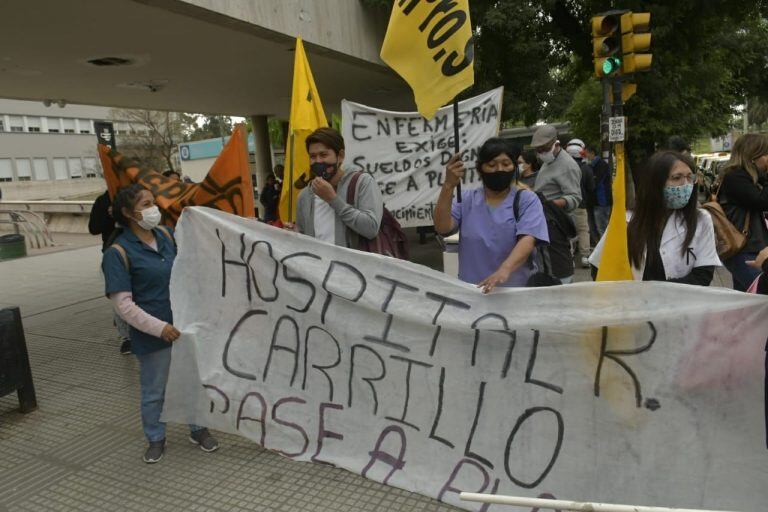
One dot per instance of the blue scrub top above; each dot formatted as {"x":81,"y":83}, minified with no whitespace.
{"x":148,"y":279}
{"x":488,"y":235}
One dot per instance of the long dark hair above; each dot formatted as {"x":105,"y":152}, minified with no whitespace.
{"x":126,"y":198}
{"x":650,"y":216}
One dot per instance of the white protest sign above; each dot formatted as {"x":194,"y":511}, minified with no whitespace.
{"x":407,"y":153}
{"x":628,"y":392}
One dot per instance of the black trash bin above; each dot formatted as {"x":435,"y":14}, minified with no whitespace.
{"x":12,"y":246}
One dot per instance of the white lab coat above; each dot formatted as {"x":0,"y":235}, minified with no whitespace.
{"x":701,"y":253}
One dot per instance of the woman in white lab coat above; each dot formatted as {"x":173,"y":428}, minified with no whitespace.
{"x":669,"y":238}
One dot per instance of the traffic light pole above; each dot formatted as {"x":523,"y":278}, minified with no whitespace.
{"x":605,"y":146}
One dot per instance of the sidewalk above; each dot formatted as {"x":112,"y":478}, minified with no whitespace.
{"x":81,"y":450}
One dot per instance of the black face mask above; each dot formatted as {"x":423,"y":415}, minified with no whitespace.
{"x":323,"y":170}
{"x":497,"y":181}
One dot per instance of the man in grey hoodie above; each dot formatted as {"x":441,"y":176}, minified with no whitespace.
{"x":559,"y":184}
{"x":322,"y":210}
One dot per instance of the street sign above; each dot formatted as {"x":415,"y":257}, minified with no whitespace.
{"x":616,"y":129}
{"x":105,"y":134}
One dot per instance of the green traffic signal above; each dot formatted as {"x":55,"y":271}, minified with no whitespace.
{"x":611,"y":65}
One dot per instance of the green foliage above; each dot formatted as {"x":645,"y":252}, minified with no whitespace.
{"x":212,"y":127}
{"x":584,"y":111}
{"x":707,"y":58}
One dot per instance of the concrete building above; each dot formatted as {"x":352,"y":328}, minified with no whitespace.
{"x":232,"y":57}
{"x":48,"y":152}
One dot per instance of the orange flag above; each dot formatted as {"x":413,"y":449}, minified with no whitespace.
{"x":227,"y":187}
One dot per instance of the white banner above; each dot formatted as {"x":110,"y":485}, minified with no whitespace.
{"x":407,"y":153}
{"x":628,"y":392}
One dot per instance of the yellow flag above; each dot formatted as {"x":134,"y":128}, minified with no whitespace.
{"x":614,"y":262}
{"x":429,"y":44}
{"x":306,"y":116}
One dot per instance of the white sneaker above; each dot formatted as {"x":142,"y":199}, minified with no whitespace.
{"x":584,"y":262}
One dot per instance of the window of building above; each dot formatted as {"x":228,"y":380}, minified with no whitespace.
{"x":60,"y":169}
{"x":54,"y":125}
{"x":2,"y":125}
{"x":24,"y":169}
{"x":92,"y":167}
{"x":16,"y":123}
{"x":85,"y":125}
{"x":41,"y":169}
{"x":33,"y":124}
{"x":68,"y":125}
{"x":6,"y":170}
{"x":75,"y":168}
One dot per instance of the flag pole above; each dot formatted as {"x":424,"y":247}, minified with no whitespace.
{"x":456,"y":140}
{"x":290,"y":179}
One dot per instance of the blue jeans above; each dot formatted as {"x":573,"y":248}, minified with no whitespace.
{"x":153,"y":370}
{"x":742,"y":274}
{"x":602,"y":215}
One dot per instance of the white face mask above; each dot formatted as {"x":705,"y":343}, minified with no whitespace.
{"x":547,"y":157}
{"x":150,"y":218}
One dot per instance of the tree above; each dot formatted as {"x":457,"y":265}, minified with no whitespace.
{"x":153,"y":136}
{"x":212,"y":127}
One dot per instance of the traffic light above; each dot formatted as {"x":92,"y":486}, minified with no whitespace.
{"x":606,"y":43}
{"x":635,"y":40}
{"x":618,"y":40}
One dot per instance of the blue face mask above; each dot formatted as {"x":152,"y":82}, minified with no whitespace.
{"x":677,"y":197}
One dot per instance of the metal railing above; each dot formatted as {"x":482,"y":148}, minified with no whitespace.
{"x":31,"y":225}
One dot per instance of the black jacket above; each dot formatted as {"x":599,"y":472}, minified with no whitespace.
{"x":738,"y":195}
{"x":588,"y":199}
{"x":101,"y":222}
{"x":555,"y":258}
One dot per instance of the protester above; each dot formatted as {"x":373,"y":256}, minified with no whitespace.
{"x":137,"y":268}
{"x":322,"y":210}
{"x":270,"y":198}
{"x":559,"y":183}
{"x":100,"y":222}
{"x":278,"y":171}
{"x":669,"y":237}
{"x":744,"y":197}
{"x":499,"y":224}
{"x":527,"y":168}
{"x":601,"y":211}
{"x":582,"y":213}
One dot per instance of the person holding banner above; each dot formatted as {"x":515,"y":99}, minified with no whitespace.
{"x":321,"y":210}
{"x":137,"y":270}
{"x":676,"y":242}
{"x":499,"y":224}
